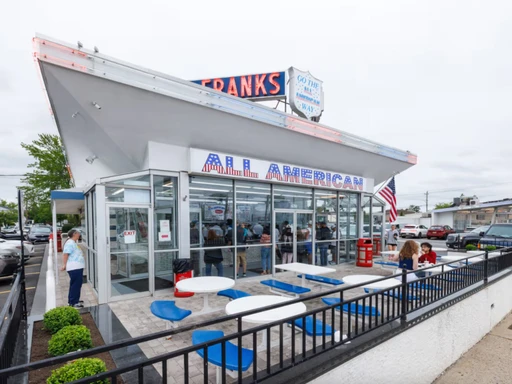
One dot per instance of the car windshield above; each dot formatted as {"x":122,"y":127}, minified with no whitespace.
{"x":480,"y":229}
{"x":436,"y":227}
{"x":41,"y":230}
{"x":500,"y":231}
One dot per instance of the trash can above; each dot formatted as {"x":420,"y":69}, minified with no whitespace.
{"x":183,"y":269}
{"x":59,"y":241}
{"x":376,"y":246}
{"x":364,"y":253}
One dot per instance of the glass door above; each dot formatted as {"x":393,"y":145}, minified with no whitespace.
{"x":128,"y":249}
{"x":294,"y":234}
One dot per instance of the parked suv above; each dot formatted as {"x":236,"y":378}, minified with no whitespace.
{"x":499,"y":235}
{"x":460,"y":240}
{"x":414,"y":230}
{"x":439,"y":231}
{"x":39,"y":234}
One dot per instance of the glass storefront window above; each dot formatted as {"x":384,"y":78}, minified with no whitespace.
{"x":165,"y":212}
{"x":118,"y":194}
{"x":211,"y":215}
{"x":253,"y":213}
{"x":286,"y":197}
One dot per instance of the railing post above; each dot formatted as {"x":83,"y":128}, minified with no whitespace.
{"x":403,"y":316}
{"x":486,"y":266}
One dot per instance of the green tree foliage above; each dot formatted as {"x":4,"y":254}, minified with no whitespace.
{"x":48,"y":173}
{"x":9,"y":217}
{"x":443,"y":205}
{"x":414,"y":208}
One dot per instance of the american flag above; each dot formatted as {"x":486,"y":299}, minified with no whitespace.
{"x":213,"y":162}
{"x":389,"y":194}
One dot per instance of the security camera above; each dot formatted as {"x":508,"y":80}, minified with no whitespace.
{"x":96,"y":105}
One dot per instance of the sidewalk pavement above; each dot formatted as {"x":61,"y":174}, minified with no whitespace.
{"x":488,"y":362}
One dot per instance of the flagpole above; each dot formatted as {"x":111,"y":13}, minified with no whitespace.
{"x":385,"y":183}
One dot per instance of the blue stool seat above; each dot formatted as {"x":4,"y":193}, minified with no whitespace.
{"x":318,"y":328}
{"x":233,"y":294}
{"x":215,"y":351}
{"x":368,"y":311}
{"x":295,"y":289}
{"x":167,"y":310}
{"x":323,"y":280}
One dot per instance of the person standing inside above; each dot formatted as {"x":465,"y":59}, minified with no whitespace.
{"x":265,"y":251}
{"x":392,"y":238}
{"x":213,"y":256}
{"x":74,"y":263}
{"x":323,"y":234}
{"x":287,"y":244}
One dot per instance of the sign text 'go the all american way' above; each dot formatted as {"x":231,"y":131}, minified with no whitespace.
{"x":214,"y":163}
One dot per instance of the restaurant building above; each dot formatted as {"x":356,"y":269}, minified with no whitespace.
{"x":163,"y":167}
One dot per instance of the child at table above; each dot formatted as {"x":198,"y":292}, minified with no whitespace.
{"x":427,"y":254}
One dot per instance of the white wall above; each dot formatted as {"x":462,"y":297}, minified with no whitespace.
{"x":422,"y":353}
{"x":167,"y":157}
{"x":443,"y":218}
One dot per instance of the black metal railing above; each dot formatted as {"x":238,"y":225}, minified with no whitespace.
{"x":10,"y":320}
{"x":362,"y":314}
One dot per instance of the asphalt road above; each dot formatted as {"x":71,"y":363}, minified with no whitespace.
{"x":32,"y":269}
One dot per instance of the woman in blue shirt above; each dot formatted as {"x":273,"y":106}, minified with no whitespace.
{"x":74,"y":264}
{"x":408,"y":257}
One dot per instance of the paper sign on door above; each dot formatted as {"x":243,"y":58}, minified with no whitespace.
{"x":129,"y":237}
{"x":165,"y":226}
{"x":164,"y":236}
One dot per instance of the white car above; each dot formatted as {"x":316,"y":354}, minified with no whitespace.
{"x":15,"y":245}
{"x":414,"y":230}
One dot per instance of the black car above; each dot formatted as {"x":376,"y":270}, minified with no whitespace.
{"x":39,"y":234}
{"x":498,"y":235}
{"x":460,"y":240}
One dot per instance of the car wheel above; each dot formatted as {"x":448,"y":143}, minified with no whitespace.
{"x":419,"y":235}
{"x":428,"y":237}
{"x":445,"y":237}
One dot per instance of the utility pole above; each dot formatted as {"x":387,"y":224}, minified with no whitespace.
{"x":426,"y":194}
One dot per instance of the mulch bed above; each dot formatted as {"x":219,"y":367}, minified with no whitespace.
{"x":39,"y":350}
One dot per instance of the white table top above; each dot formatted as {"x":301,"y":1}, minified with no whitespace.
{"x":205,"y":284}
{"x":305,"y":268}
{"x":390,"y":252}
{"x":358,"y":279}
{"x":439,"y":269}
{"x":252,"y":302}
{"x":384,"y":284}
{"x":475,"y":252}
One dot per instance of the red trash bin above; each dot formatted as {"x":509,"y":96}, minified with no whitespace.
{"x":183,"y":269}
{"x":59,"y":241}
{"x":364,"y":253}
{"x":376,"y":246}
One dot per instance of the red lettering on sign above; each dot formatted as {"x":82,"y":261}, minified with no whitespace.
{"x":205,"y":82}
{"x":218,"y":84}
{"x":260,"y":85}
{"x":274,"y":83}
{"x":246,"y":85}
{"x":232,"y":87}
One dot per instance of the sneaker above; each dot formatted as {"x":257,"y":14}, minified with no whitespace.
{"x":80,"y":301}
{"x":78,"y":305}
{"x":244,"y":275}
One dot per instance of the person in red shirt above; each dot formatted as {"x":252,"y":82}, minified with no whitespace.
{"x":427,"y":254}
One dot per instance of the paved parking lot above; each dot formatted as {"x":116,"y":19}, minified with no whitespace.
{"x":32,"y":269}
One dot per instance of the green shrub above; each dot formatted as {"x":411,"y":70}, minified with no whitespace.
{"x":67,"y":227}
{"x":60,"y":317}
{"x":78,"y":369}
{"x":471,"y":247}
{"x":490,"y":248}
{"x":70,"y":339}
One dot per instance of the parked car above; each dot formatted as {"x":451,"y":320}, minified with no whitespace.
{"x":376,"y":230}
{"x":499,"y":235}
{"x":414,"y":230}
{"x":439,"y":231}
{"x":460,"y":240}
{"x":9,"y":229}
{"x":39,"y":234}
{"x":8,"y":262}
{"x":16,"y":246}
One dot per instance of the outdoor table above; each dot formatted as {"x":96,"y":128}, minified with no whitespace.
{"x":460,"y":259}
{"x":434,"y":270}
{"x":389,"y":253}
{"x":379,"y":285}
{"x":253,"y":302}
{"x":305,"y":269}
{"x":205,"y":285}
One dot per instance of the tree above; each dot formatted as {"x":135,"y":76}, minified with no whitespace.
{"x":9,"y":216}
{"x":49,"y":173}
{"x":414,"y":208}
{"x":443,"y":205}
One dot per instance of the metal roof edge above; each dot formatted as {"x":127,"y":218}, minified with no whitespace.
{"x":84,"y":58}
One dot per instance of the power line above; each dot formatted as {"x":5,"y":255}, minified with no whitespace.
{"x":455,"y":189}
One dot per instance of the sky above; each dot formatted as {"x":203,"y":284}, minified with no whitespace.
{"x":432,"y":77}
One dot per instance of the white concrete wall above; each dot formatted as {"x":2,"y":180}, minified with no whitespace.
{"x":167,"y":157}
{"x":443,"y":218}
{"x":422,"y":353}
